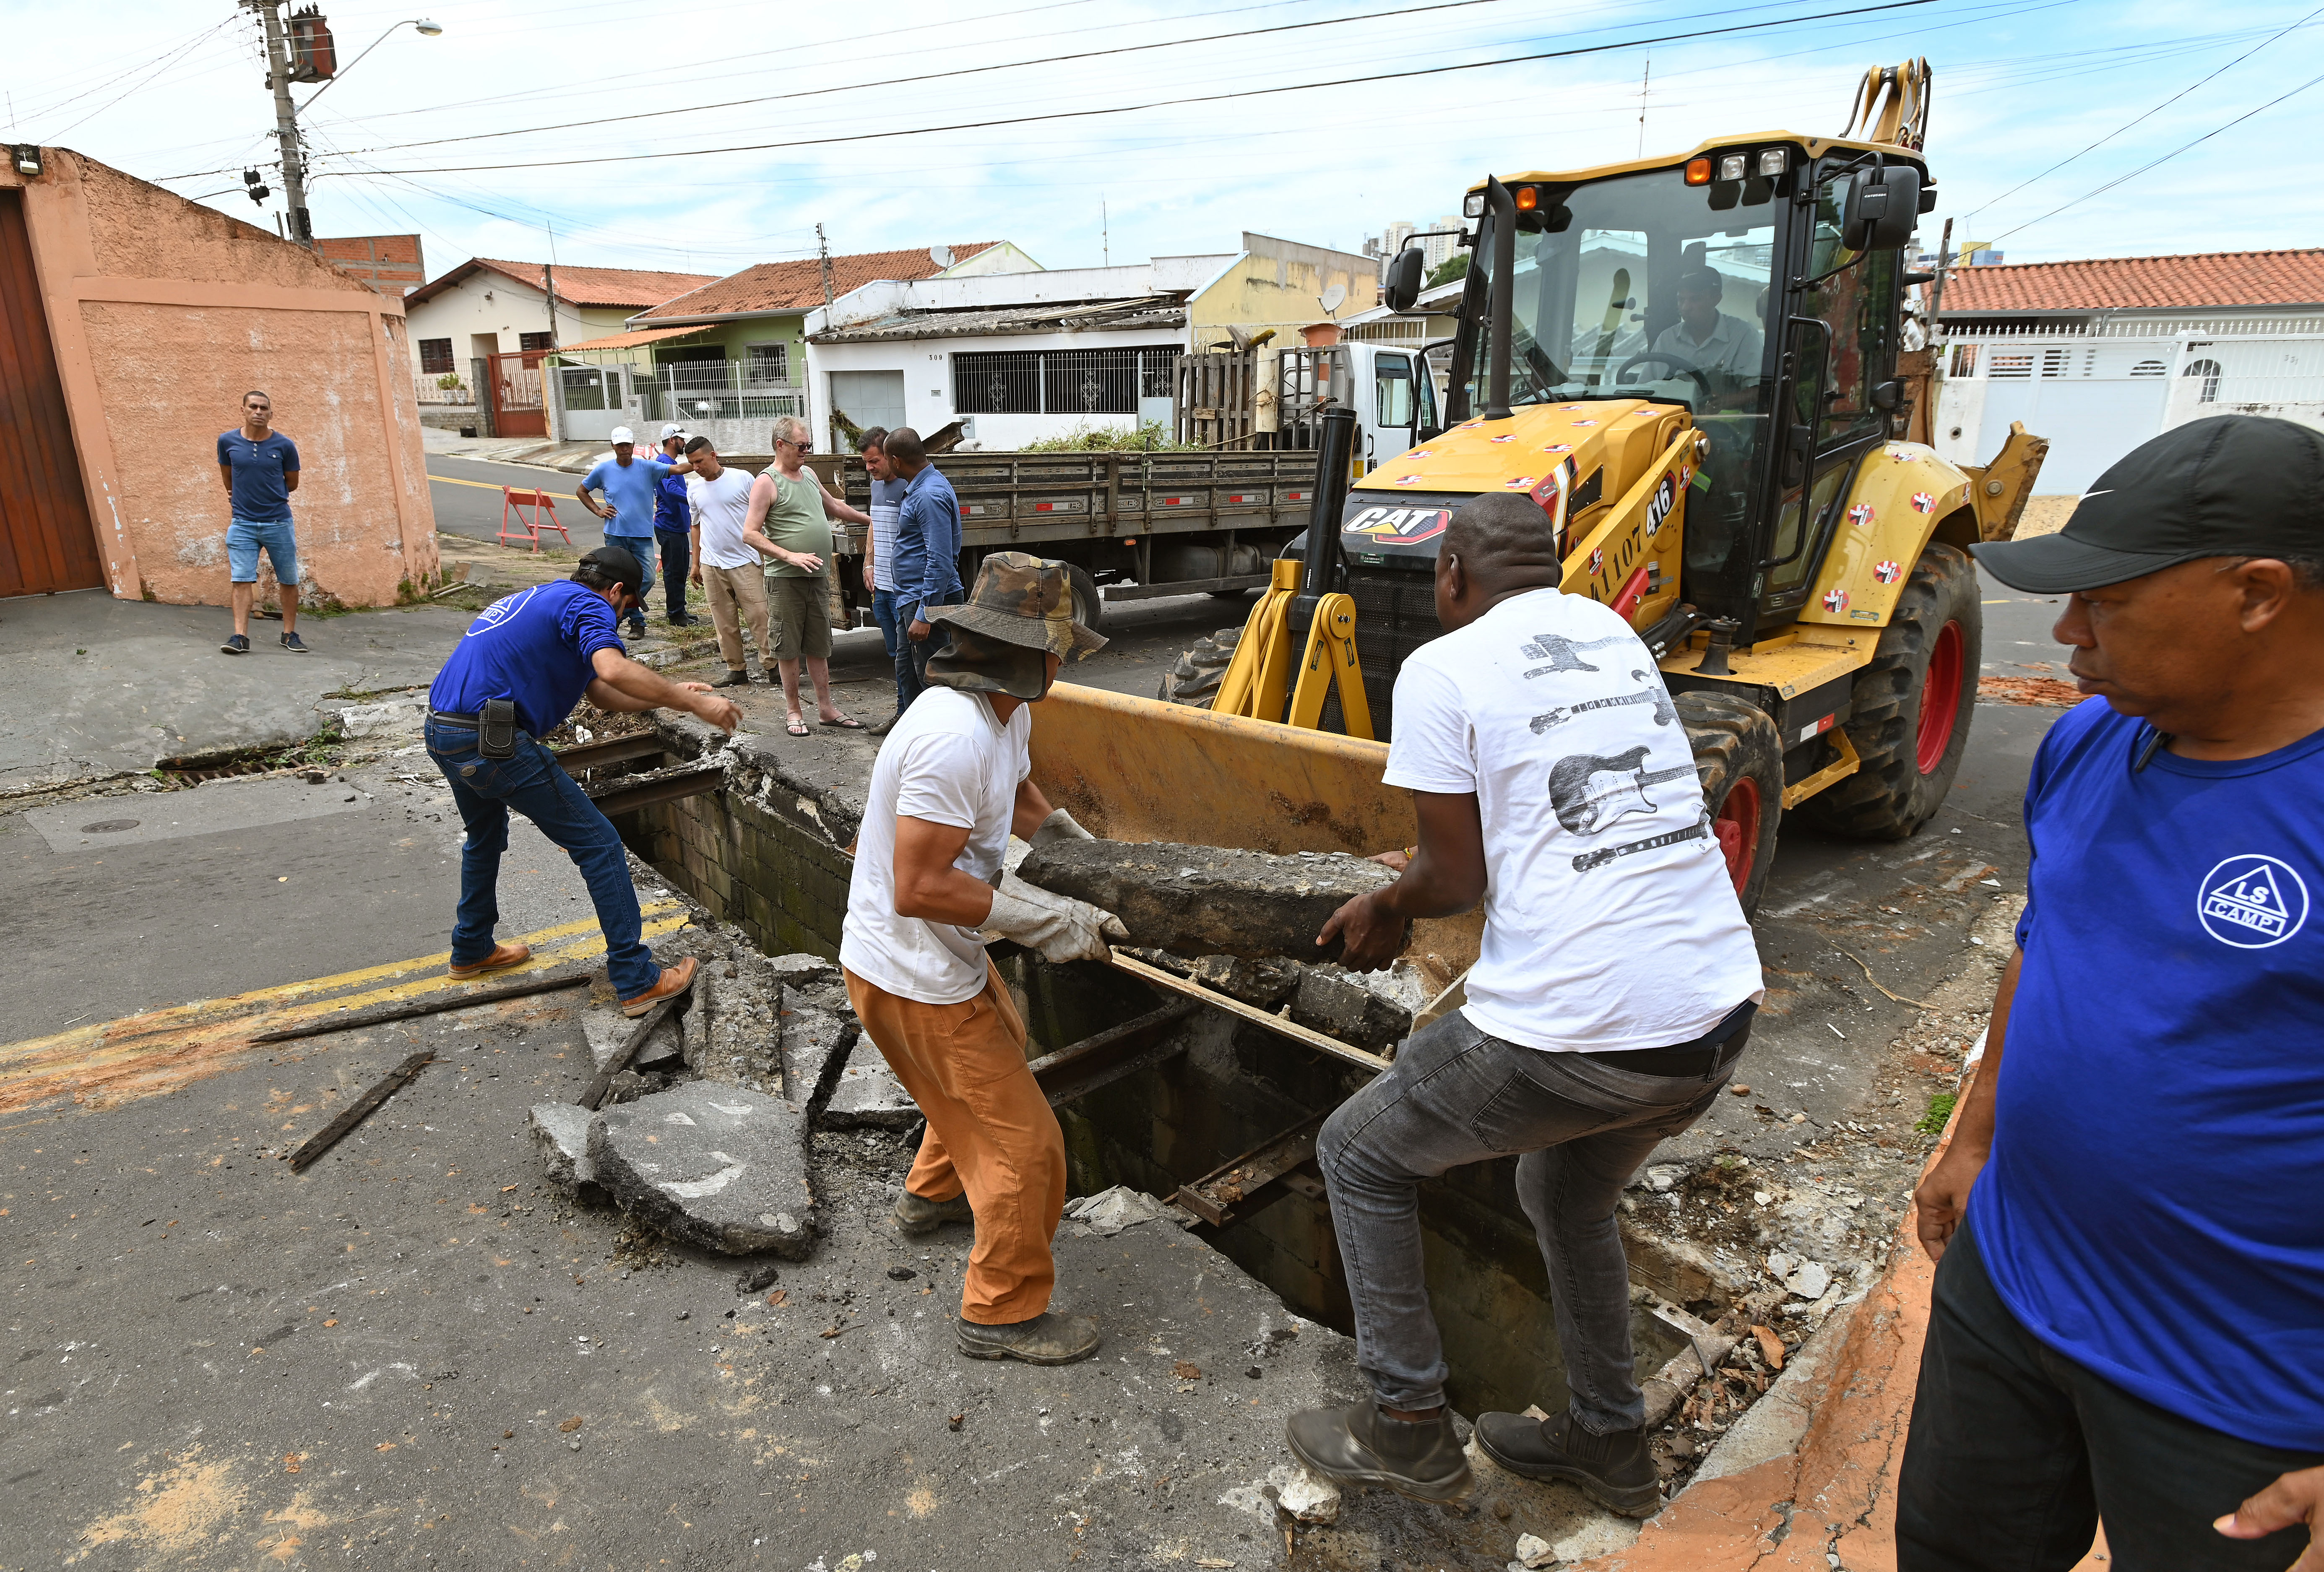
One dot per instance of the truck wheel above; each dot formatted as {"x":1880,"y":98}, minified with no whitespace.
{"x":1738,"y":756}
{"x":1089,"y":606}
{"x":1195,"y":679}
{"x":1913,"y":706}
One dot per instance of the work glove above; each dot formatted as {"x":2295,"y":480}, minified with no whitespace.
{"x":1060,"y":826}
{"x":1058,"y":927}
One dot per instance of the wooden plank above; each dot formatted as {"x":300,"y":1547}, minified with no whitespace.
{"x":593,"y":1095}
{"x":1281,"y":1025}
{"x":381,"y":1014}
{"x":356,"y":1112}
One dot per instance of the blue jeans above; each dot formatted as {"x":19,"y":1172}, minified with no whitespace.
{"x":910,"y":660}
{"x":677,"y":551}
{"x":245,"y":538}
{"x":1456,"y":1095}
{"x":640,"y":547}
{"x":537,"y":786}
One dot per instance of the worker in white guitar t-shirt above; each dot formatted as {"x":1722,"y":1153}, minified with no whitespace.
{"x":1612,"y":995}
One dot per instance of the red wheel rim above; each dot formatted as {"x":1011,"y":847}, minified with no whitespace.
{"x":1940,"y":700}
{"x":1738,"y":829}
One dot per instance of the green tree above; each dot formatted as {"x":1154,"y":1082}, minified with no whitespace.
{"x":1453,"y":266}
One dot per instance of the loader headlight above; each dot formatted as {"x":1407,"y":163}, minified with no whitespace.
{"x":1734,"y":165}
{"x":1474,"y":207}
{"x":1772,"y":162}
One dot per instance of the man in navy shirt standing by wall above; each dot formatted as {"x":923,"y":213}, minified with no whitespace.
{"x":260,"y":468}
{"x":2128,"y":1317}
{"x":519,"y":670}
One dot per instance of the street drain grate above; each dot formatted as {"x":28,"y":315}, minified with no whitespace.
{"x":109,"y":826}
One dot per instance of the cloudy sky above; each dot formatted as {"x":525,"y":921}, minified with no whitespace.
{"x":707,"y":135}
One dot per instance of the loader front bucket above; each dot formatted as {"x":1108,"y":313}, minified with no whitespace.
{"x":1998,"y":490}
{"x":1140,"y":770}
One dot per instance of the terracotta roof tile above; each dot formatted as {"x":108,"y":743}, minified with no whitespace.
{"x":2204,"y":281}
{"x":797,"y":286}
{"x":584,"y":286}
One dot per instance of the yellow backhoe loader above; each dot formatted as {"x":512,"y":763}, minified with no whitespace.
{"x":1694,"y":365}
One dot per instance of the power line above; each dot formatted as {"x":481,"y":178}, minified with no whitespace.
{"x":1169,"y":103}
{"x":2166,"y":158}
{"x":150,"y":72}
{"x":2150,"y":115}
{"x":941,"y":76}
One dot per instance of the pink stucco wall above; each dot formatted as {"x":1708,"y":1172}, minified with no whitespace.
{"x":164,"y":313}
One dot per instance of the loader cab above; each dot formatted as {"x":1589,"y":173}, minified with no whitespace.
{"x":1725,"y":283}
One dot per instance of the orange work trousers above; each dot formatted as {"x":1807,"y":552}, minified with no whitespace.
{"x":990,"y":1133}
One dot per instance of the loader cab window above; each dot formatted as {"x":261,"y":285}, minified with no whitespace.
{"x":1392,"y":388}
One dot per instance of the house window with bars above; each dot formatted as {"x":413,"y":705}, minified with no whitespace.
{"x":435,"y":355}
{"x":529,"y":342}
{"x":1964,"y":360}
{"x":767,"y":364}
{"x":1060,"y":382}
{"x":2209,"y":370}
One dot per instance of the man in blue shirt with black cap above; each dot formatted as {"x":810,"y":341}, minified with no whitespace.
{"x":2127,"y":1322}
{"x":518,"y":672}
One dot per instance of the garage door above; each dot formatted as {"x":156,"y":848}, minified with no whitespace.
{"x":869,"y":398}
{"x":45,"y":541}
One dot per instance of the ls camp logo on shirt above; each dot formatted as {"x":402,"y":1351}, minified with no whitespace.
{"x":500,"y":611}
{"x":2253,"y":902}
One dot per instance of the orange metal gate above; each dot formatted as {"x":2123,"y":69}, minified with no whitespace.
{"x":514,"y":380}
{"x":46,"y":543}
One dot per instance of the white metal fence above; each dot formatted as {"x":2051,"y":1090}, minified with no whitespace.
{"x":428,"y":386}
{"x":2098,"y":391}
{"x":716,"y":390}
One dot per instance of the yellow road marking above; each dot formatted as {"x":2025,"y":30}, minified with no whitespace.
{"x":160,"y":1050}
{"x":487,"y":484}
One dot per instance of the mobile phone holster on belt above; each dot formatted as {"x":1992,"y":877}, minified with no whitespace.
{"x":497,"y":730}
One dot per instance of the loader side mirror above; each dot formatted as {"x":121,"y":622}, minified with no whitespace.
{"x":1881,"y":208}
{"x":1403,"y":278}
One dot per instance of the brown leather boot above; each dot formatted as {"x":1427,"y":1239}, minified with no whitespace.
{"x":1049,"y":1338}
{"x":673,"y":980}
{"x":916,"y":1215}
{"x":511,"y":954}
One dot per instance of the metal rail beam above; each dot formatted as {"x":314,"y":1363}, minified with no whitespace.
{"x":1100,"y":1060}
{"x":627,"y":794}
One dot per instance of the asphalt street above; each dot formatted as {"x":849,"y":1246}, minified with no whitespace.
{"x":218,"y":1361}
{"x":466,"y":494}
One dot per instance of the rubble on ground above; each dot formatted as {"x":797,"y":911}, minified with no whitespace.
{"x":711,"y":1166}
{"x":1208,"y":901}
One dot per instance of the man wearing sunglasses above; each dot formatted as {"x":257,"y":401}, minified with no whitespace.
{"x":794,"y":510}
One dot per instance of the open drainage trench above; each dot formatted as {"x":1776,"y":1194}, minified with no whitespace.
{"x":1191,"y":1104}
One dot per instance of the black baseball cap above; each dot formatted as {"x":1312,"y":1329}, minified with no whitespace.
{"x":620,"y":564}
{"x":2233,"y":485}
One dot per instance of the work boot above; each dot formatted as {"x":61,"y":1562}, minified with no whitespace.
{"x":1615,"y":1470}
{"x":1049,"y":1338}
{"x":1360,"y":1445}
{"x":673,"y":981}
{"x":735,"y":677}
{"x":880,"y":728}
{"x":917,"y":1215}
{"x":504,"y":955}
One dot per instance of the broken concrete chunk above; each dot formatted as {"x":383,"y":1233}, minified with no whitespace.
{"x":561,"y":1130}
{"x":867,"y":1095}
{"x":1533,"y":1550}
{"x":809,"y":1038}
{"x":1109,"y":1212}
{"x":1197,"y":900}
{"x":1331,"y":1002}
{"x":801,"y":970}
{"x":1263,"y":983}
{"x":1807,"y":1281}
{"x":711,"y":1165}
{"x":1310,"y":1497}
{"x":739,"y":1048}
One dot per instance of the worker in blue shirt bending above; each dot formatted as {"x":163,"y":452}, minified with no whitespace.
{"x":518,"y":672}
{"x":2127,"y":1319}
{"x":630,"y":481}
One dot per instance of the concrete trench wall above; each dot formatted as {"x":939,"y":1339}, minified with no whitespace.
{"x":768,"y":856}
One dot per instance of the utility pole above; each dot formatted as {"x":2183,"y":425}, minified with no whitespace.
{"x":1645,"y":77}
{"x":822,"y":254}
{"x":549,"y":276}
{"x":1104,"y":232}
{"x":286,"y":123}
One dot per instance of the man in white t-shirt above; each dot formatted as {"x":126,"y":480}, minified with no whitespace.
{"x":726,"y":548}
{"x":928,"y":894}
{"x":1613,"y":991}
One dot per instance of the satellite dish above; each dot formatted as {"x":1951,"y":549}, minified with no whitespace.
{"x":941,"y":255}
{"x":1334,"y":296}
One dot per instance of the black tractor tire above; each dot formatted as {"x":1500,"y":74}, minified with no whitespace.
{"x":1194,"y":682}
{"x":1089,"y":606}
{"x":1739,"y":756}
{"x":1913,"y":706}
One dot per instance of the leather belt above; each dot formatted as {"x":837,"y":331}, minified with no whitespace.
{"x":470,"y":721}
{"x":1707,"y":1055}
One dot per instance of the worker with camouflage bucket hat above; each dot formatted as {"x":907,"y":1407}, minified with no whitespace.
{"x":953,"y":781}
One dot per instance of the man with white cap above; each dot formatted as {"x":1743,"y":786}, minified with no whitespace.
{"x":630,"y":483}
{"x":951,"y":782}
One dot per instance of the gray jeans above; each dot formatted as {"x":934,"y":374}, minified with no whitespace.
{"x":1456,"y":1096}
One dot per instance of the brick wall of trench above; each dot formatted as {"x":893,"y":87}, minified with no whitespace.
{"x":770,"y":863}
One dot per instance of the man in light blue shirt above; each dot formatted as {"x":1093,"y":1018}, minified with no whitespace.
{"x":928,"y":547}
{"x":631,"y":484}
